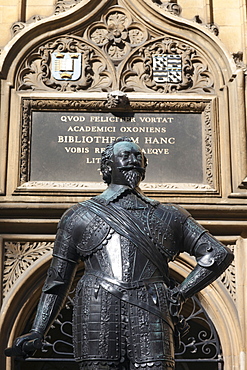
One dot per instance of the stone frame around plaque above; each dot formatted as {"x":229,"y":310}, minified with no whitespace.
{"x":206,"y":107}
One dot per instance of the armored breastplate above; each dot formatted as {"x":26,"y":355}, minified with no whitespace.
{"x":120,"y":259}
{"x":105,"y":249}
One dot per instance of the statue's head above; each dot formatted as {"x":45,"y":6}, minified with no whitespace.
{"x":123,"y":163}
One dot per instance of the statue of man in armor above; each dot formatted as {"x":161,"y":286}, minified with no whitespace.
{"x":126,"y":312}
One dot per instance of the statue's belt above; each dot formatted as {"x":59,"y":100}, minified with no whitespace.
{"x":120,"y":290}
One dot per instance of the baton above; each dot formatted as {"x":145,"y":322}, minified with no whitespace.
{"x":27,"y":347}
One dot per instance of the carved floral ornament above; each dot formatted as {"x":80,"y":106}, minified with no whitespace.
{"x":116,"y":53}
{"x":19,"y":256}
{"x":228,"y":278}
{"x":170,"y":6}
{"x":39,"y":69}
{"x":117,"y":34}
{"x":180,"y":66}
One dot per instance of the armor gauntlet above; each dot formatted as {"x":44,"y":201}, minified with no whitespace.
{"x":58,"y":281}
{"x":212,"y":257}
{"x":59,"y":278}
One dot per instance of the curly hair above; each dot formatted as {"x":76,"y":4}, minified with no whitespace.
{"x":107,"y":155}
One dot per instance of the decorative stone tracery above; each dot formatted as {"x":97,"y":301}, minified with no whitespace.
{"x":170,"y":6}
{"x":19,"y":256}
{"x":36,"y":72}
{"x":117,"y":34}
{"x":195,"y":75}
{"x":98,"y":75}
{"x":116,"y":53}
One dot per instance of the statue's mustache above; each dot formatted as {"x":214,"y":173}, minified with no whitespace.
{"x":128,"y":168}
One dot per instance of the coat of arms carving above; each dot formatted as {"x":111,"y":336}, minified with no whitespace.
{"x":167,"y":68}
{"x":66,"y":66}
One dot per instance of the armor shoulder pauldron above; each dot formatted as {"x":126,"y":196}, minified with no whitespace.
{"x":90,"y":233}
{"x":164,"y":223}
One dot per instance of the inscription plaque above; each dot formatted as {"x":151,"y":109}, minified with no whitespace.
{"x":67,"y":146}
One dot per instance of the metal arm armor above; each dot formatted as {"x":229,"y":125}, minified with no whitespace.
{"x":212,"y":260}
{"x":192,"y":232}
{"x":59,"y":276}
{"x":57,"y":285}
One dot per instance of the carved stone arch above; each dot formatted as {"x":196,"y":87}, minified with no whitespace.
{"x":206,"y":66}
{"x":157,"y":21}
{"x":166,"y":23}
{"x":34,"y":34}
{"x":221,"y":309}
{"x":115,"y":49}
{"x":22,"y":297}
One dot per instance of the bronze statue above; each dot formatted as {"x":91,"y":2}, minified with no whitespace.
{"x":126,"y":311}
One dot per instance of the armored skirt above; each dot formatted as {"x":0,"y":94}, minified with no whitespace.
{"x":110,"y":325}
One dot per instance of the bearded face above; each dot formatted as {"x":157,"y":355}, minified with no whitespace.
{"x":133,"y":177}
{"x":127,"y":164}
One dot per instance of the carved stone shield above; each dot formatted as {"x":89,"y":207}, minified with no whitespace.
{"x":66,"y":66}
{"x":167,"y":68}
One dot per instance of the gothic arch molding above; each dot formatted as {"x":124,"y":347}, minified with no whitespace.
{"x":221,"y":309}
{"x":21,"y":299}
{"x":158,"y":22}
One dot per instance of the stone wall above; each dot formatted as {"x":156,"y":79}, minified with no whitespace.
{"x":228,"y":15}
{"x":207,"y":38}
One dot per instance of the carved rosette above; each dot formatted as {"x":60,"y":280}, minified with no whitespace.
{"x":19,"y":256}
{"x":139,"y":70}
{"x":117,"y":34}
{"x":40,"y":70}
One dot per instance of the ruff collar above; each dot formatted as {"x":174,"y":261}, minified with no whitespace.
{"x":114,"y":191}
